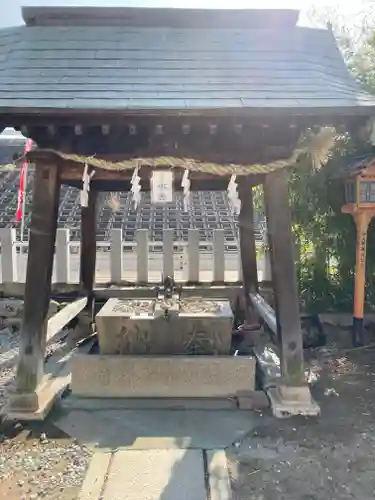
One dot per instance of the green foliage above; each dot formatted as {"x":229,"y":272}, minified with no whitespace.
{"x":326,"y":236}
{"x":321,"y":229}
{"x":362,"y":63}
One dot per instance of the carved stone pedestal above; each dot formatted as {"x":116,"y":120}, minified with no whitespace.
{"x":36,"y":405}
{"x":288,"y":401}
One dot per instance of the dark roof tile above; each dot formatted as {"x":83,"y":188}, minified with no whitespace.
{"x":158,"y":67}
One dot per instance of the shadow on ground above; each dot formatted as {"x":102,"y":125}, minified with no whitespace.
{"x":331,"y":457}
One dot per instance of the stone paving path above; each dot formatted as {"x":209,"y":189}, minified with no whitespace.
{"x":153,"y":454}
{"x":157,"y":474}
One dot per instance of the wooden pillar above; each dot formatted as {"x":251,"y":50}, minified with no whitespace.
{"x":247,"y":238}
{"x":284,"y":277}
{"x":247,"y":250}
{"x":362,"y":219}
{"x":38,"y":280}
{"x":88,"y":248}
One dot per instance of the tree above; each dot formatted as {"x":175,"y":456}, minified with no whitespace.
{"x":326,"y":236}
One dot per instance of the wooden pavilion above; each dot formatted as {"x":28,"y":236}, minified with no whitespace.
{"x":215,"y":92}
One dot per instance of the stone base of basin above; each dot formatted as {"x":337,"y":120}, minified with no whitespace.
{"x":114,"y":376}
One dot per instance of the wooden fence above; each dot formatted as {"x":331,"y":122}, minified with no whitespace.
{"x":138,"y":261}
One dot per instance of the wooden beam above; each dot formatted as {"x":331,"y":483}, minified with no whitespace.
{"x":88,"y":246}
{"x":216,"y":142}
{"x":106,"y":180}
{"x":73,"y":171}
{"x":247,"y":238}
{"x":214,"y":184}
{"x":284,"y":277}
{"x":91,"y":118}
{"x":64,"y":316}
{"x":38,"y":277}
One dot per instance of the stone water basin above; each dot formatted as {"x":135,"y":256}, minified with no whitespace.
{"x":143,"y":326}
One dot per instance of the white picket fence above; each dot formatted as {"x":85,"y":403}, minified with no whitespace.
{"x":138,"y":261}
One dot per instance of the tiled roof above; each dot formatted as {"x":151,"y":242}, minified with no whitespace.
{"x":354,"y":165}
{"x":67,"y":65}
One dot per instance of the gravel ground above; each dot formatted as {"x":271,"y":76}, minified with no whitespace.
{"x":36,"y":461}
{"x":32,"y":466}
{"x":329,"y":458}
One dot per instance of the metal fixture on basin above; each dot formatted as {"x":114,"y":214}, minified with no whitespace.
{"x":168,"y":295}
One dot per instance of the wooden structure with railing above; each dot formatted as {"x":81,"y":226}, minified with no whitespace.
{"x":217,"y":93}
{"x":136,"y":263}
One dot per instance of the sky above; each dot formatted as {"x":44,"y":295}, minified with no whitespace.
{"x":10,"y":10}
